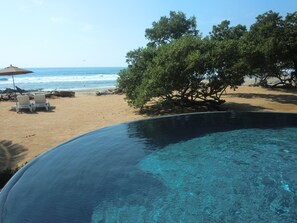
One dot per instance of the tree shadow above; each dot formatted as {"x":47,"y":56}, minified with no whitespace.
{"x":166,"y":109}
{"x":11,"y":154}
{"x":285,"y":90}
{"x":163,"y":109}
{"x":232,"y":106}
{"x":284,"y":99}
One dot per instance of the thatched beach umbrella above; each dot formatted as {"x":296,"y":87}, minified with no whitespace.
{"x":12,"y":70}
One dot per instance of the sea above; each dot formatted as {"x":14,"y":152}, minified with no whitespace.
{"x":78,"y":78}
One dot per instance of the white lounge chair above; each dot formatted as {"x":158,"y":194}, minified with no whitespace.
{"x":23,"y":102}
{"x":41,"y":102}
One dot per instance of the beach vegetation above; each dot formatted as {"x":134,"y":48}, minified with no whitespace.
{"x":272,"y":49}
{"x":171,"y":28}
{"x":179,"y":67}
{"x":132,"y":79}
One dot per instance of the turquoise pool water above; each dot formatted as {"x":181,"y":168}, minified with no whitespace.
{"x":212,"y":167}
{"x":244,"y":175}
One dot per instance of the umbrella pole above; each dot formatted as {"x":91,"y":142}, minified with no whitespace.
{"x":13,"y":82}
{"x":14,"y":90}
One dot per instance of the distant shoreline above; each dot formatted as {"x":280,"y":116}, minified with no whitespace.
{"x":68,"y":79}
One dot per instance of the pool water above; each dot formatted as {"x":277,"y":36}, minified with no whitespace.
{"x":213,"y":167}
{"x":244,"y":175}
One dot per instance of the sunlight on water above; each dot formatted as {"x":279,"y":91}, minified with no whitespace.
{"x":244,"y":175}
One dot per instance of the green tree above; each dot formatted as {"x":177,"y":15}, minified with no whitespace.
{"x":272,"y":49}
{"x":289,"y":39}
{"x":131,"y":79}
{"x":173,"y":75}
{"x":226,"y":65}
{"x":223,"y":31}
{"x":172,"y":28}
{"x":180,"y":67}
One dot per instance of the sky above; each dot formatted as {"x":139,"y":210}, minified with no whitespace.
{"x":99,"y":33}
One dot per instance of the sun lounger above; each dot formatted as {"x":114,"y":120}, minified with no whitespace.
{"x":23,"y":102}
{"x":41,"y":102}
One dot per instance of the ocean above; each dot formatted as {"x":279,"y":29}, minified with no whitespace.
{"x":48,"y":79}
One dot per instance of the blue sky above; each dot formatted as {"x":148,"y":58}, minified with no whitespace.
{"x":84,"y":33}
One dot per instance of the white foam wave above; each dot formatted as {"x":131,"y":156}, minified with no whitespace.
{"x":80,"y":88}
{"x":59,"y":79}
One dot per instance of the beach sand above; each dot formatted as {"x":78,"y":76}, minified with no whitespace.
{"x":26,"y":135}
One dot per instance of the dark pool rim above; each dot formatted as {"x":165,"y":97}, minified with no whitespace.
{"x":162,"y":117}
{"x":171,"y":116}
{"x":152,"y":119}
{"x":156,"y":118}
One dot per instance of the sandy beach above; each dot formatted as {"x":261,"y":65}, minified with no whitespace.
{"x":26,"y":135}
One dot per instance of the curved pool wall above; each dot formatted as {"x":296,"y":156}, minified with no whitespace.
{"x":171,"y":169}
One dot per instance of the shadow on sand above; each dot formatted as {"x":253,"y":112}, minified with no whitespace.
{"x":158,"y":109}
{"x":232,"y":106}
{"x":11,"y":154}
{"x":284,"y":99}
{"x":36,"y":111}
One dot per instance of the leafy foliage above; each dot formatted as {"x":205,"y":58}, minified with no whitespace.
{"x":172,"y":28}
{"x":272,"y":42}
{"x":133,"y":78}
{"x":290,"y":47}
{"x":180,"y":67}
{"x":228,"y":66}
{"x":223,"y":31}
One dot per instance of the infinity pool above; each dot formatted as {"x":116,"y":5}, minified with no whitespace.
{"x":210,"y":167}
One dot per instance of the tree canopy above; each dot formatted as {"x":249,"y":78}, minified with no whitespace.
{"x":272,"y":45}
{"x":180,"y":66}
{"x":172,"y":28}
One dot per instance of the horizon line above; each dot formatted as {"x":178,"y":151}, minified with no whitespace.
{"x":77,"y":67}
